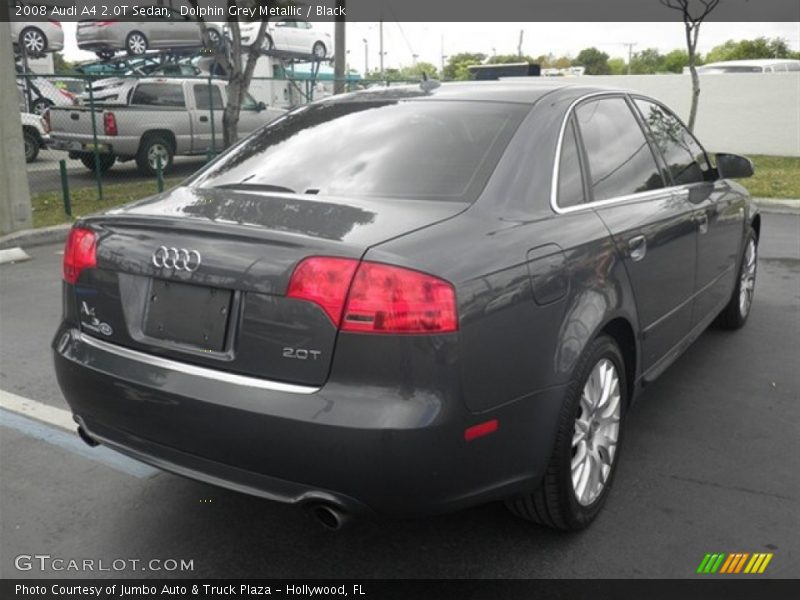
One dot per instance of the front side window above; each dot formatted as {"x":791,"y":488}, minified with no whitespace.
{"x":685,"y":158}
{"x":620,"y":160}
{"x":404,"y":149}
{"x":159,"y":94}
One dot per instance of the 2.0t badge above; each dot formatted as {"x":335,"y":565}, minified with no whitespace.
{"x":179,"y":259}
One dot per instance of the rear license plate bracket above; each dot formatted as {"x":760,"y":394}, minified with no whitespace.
{"x":188,"y":314}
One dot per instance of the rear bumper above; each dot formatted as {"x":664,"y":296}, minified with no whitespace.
{"x":368,"y":450}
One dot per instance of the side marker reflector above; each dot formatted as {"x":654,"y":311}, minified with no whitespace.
{"x":481,"y":429}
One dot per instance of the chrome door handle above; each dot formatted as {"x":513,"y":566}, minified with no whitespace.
{"x":702,"y":222}
{"x":637,"y":247}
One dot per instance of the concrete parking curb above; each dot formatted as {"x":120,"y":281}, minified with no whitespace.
{"x":774,"y":205}
{"x":35,"y":237}
{"x":28,"y":238}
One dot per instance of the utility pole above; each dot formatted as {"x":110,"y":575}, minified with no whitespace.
{"x":340,"y":51}
{"x":519,"y":46}
{"x":630,"y":46}
{"x":442,"y":55}
{"x":15,"y":199}
{"x":366,"y":57}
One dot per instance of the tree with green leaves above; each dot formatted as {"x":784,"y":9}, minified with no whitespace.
{"x":694,"y":12}
{"x":457,"y":65}
{"x":646,"y":62}
{"x":761,"y":47}
{"x":594,"y":61}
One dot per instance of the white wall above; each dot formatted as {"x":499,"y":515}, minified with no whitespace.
{"x":745,"y":113}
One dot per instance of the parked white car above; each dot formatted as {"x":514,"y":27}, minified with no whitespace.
{"x":43,"y":93}
{"x":37,"y":37}
{"x":290,"y":35}
{"x":35,"y":134}
{"x":760,"y":65}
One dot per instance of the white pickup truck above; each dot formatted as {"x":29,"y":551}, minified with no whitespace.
{"x":157,"y":118}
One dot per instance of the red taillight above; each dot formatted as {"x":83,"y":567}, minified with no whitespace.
{"x":56,"y":23}
{"x":46,"y":118}
{"x":387,"y":299}
{"x":67,"y":94}
{"x":109,"y":123}
{"x":104,"y":23}
{"x":381,"y":299}
{"x":323,"y":280}
{"x":80,"y":252}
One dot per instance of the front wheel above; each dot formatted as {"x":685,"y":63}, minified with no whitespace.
{"x":586,"y":450}
{"x":40,"y":105}
{"x":319,"y":50}
{"x":735,"y":313}
{"x":33,"y":40}
{"x":136,"y":43}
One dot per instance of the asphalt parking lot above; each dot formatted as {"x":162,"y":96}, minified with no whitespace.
{"x":710,"y":463}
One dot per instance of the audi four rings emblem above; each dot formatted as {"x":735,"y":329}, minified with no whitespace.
{"x":179,"y":259}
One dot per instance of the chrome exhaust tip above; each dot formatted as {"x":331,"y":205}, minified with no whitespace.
{"x":329,"y":517}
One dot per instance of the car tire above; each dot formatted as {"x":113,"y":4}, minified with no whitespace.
{"x":319,"y":50}
{"x":32,"y":144}
{"x":40,"y":105}
{"x":214,"y":38}
{"x":268,"y":43}
{"x":150,"y":147}
{"x":736,"y":312}
{"x":565,"y":499}
{"x":33,"y":41}
{"x":106,"y":161}
{"x":136,"y":43}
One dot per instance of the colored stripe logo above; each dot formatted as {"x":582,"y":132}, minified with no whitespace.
{"x":734,"y":563}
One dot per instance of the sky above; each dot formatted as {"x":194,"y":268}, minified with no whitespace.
{"x":426,"y":40}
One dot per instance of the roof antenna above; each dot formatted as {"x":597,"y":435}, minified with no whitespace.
{"x":427,"y":84}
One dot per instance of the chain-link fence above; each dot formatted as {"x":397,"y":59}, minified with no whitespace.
{"x":96,"y":130}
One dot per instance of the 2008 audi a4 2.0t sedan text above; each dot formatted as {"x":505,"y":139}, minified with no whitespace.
{"x":407,"y":301}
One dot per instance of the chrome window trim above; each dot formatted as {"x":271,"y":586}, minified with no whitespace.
{"x":194,"y":370}
{"x":680,"y":190}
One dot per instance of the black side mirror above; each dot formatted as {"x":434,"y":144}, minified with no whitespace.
{"x":733,"y":166}
{"x":261,"y":106}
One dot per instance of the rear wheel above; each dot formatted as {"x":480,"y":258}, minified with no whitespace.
{"x":267,"y":44}
{"x":214,"y":38}
{"x":735,"y":314}
{"x":106,"y":161}
{"x":33,"y":41}
{"x":32,"y":143}
{"x":582,"y":465}
{"x":151,"y":149}
{"x":40,"y":105}
{"x":136,"y":43}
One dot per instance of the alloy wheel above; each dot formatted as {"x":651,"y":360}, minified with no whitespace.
{"x":594,"y":440}
{"x":33,"y":41}
{"x":154,"y":152}
{"x":137,"y":43}
{"x":748,"y":278}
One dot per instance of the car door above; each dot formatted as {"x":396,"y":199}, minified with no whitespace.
{"x":205,"y":99}
{"x":718,"y":210}
{"x":652,"y":225}
{"x":285,"y":35}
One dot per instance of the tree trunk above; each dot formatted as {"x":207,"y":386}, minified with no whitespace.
{"x":695,"y":96}
{"x":239,"y":81}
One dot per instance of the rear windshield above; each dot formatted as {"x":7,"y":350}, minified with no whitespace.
{"x":435,"y":150}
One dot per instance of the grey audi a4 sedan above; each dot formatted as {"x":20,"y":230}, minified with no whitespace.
{"x":408,"y":301}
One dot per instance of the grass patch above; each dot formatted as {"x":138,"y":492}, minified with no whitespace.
{"x":776,"y":177}
{"x":48,"y":207}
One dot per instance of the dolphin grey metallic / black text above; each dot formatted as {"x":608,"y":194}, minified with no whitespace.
{"x":409,"y":300}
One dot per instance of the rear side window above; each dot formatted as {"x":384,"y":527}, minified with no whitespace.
{"x":202,"y":99}
{"x":159,"y":94}
{"x":685,"y":158}
{"x":570,"y":179}
{"x":620,"y":160}
{"x":403,"y":149}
